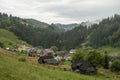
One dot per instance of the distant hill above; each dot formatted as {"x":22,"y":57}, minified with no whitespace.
{"x":36,"y":23}
{"x":90,"y":23}
{"x":8,"y":39}
{"x":67,"y":27}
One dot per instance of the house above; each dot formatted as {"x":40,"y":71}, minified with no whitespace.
{"x":58,"y":58}
{"x":32,"y":52}
{"x":23,"y":48}
{"x":68,"y":56}
{"x":47,"y":52}
{"x":40,"y":52}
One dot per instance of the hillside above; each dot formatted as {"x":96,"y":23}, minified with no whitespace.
{"x":107,"y":32}
{"x":111,"y":50}
{"x":36,"y":23}
{"x":12,"y":69}
{"x":8,"y":39}
{"x":36,"y":36}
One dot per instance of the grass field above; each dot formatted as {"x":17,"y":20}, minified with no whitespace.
{"x":12,"y":69}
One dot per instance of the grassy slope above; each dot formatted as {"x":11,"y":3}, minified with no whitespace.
{"x":110,"y":50}
{"x":9,"y":39}
{"x":12,"y":69}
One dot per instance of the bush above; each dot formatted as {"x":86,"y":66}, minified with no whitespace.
{"x":67,"y":63}
{"x":95,"y":57}
{"x":78,"y":55}
{"x":115,"y":66}
{"x":1,"y":45}
{"x":22,"y":59}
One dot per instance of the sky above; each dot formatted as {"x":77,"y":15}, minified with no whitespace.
{"x":61,"y":11}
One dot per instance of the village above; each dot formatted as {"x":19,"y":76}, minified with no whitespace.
{"x":48,"y":56}
{"x":37,"y":52}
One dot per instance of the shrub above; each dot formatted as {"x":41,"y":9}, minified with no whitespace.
{"x":95,"y":57}
{"x":78,"y":55}
{"x":67,"y":63}
{"x":22,"y":59}
{"x":1,"y":45}
{"x":115,"y":66}
{"x":54,"y":48}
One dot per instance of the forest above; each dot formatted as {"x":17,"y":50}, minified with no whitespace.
{"x":106,"y":33}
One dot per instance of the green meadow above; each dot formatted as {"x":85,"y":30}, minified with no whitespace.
{"x":13,"y":69}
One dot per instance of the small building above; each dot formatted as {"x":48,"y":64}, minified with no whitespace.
{"x":32,"y":52}
{"x":23,"y":48}
{"x":47,"y":52}
{"x":58,"y":58}
{"x":40,"y":52}
{"x":68,"y":56}
{"x":72,"y":51}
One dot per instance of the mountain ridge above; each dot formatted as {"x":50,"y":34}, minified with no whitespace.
{"x":36,"y":23}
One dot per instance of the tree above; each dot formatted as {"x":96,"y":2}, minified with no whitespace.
{"x":54,"y":48}
{"x":115,"y":67}
{"x":95,"y":57}
{"x":106,"y":61}
{"x":107,"y":32}
{"x":78,"y":55}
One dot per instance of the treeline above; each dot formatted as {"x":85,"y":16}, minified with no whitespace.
{"x":74,"y":38}
{"x":107,"y":32}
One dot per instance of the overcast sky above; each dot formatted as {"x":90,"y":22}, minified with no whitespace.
{"x":61,"y":11}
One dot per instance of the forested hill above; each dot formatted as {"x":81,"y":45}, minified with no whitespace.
{"x":107,"y":32}
{"x":35,"y":36}
{"x":36,"y":23}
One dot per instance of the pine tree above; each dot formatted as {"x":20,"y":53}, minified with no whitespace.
{"x":106,"y":61}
